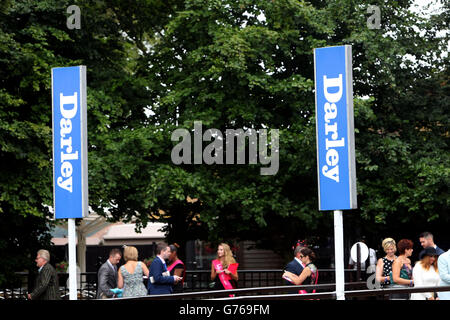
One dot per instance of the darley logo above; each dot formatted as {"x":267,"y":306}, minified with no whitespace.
{"x":213,"y":152}
{"x":331,"y":126}
{"x":66,"y":141}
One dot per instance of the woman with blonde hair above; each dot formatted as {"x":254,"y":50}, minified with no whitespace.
{"x":384,"y":265}
{"x":224,"y":269}
{"x":426,"y":274}
{"x":130,"y":276}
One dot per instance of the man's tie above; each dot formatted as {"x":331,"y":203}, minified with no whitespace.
{"x":115,"y":271}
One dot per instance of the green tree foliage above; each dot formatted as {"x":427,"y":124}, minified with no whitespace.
{"x":154,"y":66}
{"x":219,"y":63}
{"x":33,"y":39}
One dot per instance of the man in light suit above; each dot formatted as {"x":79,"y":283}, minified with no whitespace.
{"x":295,"y":266}
{"x":160,"y":280}
{"x":444,"y":273}
{"x":107,"y":275}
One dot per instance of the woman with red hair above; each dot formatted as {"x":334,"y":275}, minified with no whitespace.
{"x":401,"y":275}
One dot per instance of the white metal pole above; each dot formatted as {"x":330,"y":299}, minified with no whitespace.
{"x":339,"y":254}
{"x":72,"y":260}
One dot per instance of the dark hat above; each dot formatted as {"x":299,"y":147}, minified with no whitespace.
{"x":430,"y":251}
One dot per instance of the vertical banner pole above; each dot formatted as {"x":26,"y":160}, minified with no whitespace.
{"x":335,"y":138}
{"x":70,"y":177}
{"x":72,"y":260}
{"x":339,"y":254}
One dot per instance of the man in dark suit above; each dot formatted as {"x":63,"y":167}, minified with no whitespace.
{"x":107,"y":275}
{"x":427,"y":240}
{"x":160,"y":280}
{"x":295,"y":266}
{"x":47,"y":283}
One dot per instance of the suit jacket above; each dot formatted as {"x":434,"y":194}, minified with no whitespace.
{"x":107,"y":279}
{"x":439,"y":251}
{"x":295,"y":267}
{"x":444,"y":273}
{"x":46,"y":285}
{"x":162,"y":284}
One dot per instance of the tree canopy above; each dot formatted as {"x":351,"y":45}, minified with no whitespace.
{"x":155,"y":66}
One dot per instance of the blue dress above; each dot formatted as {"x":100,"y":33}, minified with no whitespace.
{"x":133,"y":283}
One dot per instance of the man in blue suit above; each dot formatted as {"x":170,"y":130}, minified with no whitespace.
{"x":160,"y":280}
{"x":295,"y":266}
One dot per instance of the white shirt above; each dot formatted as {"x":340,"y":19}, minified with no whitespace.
{"x":42,"y":267}
{"x":111,"y":265}
{"x":299,"y":261}
{"x":165,"y":273}
{"x":163,"y":261}
{"x":424,"y":278}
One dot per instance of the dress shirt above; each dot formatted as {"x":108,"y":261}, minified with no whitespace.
{"x":111,"y":265}
{"x":299,"y":261}
{"x":162,"y":260}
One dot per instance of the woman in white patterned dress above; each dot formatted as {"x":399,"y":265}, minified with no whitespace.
{"x":130,"y":276}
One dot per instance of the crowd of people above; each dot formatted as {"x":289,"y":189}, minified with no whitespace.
{"x":162,"y":279}
{"x":394,"y":270}
{"x":397,"y":271}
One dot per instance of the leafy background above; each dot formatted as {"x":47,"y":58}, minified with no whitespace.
{"x":154,"y":66}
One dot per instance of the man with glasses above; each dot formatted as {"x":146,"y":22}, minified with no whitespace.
{"x":47,"y":284}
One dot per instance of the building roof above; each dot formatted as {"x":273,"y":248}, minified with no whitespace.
{"x":127,"y":231}
{"x":90,"y":241}
{"x":110,"y":232}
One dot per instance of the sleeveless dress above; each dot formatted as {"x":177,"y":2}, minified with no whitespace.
{"x":178,"y":288}
{"x":219,"y":286}
{"x":311,"y":279}
{"x":387,"y":269}
{"x":405,"y":273}
{"x":133,"y":284}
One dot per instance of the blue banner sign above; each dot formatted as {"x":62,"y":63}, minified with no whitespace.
{"x":69,"y":117}
{"x":334,"y":128}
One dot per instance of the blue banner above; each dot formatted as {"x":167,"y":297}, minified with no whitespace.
{"x":70,"y":186}
{"x":335,"y":128}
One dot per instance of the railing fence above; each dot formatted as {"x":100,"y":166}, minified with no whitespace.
{"x":252,"y":284}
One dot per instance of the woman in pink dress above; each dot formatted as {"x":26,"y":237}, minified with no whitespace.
{"x":224,"y":269}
